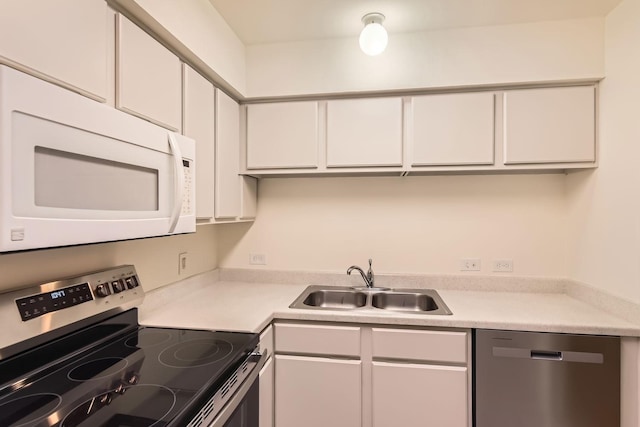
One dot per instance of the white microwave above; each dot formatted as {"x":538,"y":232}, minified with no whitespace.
{"x":75,"y":171}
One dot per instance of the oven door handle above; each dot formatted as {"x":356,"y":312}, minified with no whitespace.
{"x":228,"y":410}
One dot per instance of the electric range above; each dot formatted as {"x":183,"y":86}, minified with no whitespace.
{"x":106,"y":370}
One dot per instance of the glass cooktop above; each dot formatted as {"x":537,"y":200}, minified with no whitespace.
{"x":137,"y":377}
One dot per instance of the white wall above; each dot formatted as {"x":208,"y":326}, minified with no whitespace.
{"x":604,"y":206}
{"x":531,"y":52}
{"x":410,"y":224}
{"x":156,"y":260}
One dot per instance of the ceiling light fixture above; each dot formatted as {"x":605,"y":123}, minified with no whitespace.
{"x":373,"y":38}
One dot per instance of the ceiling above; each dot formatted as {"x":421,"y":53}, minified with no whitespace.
{"x":272,"y":21}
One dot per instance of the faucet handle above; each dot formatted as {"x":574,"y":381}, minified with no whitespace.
{"x":370,"y":273}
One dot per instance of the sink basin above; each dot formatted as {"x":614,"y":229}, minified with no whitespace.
{"x":335,"y":299}
{"x":404,"y":301}
{"x":424,"y":301}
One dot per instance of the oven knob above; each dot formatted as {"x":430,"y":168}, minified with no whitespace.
{"x":105,"y":399}
{"x":133,"y":379}
{"x":117,"y":286}
{"x":120,"y":389}
{"x":102,"y":291}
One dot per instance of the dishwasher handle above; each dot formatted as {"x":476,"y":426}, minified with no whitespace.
{"x":550,"y":355}
{"x":546,"y":355}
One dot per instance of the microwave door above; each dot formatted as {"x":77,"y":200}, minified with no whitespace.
{"x":78,"y":187}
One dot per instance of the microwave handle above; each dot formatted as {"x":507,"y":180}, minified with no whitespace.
{"x":179,"y":182}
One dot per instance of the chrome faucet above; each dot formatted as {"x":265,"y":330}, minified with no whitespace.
{"x":367,"y":277}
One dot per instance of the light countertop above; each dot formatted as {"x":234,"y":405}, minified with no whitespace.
{"x":250,"y":307}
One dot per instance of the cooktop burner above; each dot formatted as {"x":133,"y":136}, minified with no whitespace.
{"x":150,"y":404}
{"x":29,"y":409}
{"x":98,"y":368}
{"x":195,"y":353}
{"x":137,"y":376}
{"x":148,"y":338}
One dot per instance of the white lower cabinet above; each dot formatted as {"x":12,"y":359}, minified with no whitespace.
{"x":412,"y":395}
{"x":266,"y":394}
{"x":318,"y":392}
{"x":364,"y":376}
{"x":266,"y":379}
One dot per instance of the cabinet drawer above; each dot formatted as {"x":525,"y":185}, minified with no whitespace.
{"x":318,"y":339}
{"x":442,"y":346}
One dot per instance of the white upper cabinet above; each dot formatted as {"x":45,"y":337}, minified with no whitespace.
{"x":554,"y":125}
{"x":282,"y":135}
{"x":199,"y":124}
{"x":364,"y":132}
{"x":69,"y":41}
{"x":149,"y":78}
{"x":453,"y":129}
{"x":227,"y":167}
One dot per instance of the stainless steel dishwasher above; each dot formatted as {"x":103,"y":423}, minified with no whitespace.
{"x":533,"y":379}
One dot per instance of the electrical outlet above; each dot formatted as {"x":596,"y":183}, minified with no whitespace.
{"x":183,"y":263}
{"x":503,"y":265}
{"x":257,"y":259}
{"x":470,"y":264}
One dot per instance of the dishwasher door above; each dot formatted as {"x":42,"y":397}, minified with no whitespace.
{"x":534,"y":379}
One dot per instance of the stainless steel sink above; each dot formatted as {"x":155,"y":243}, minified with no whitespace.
{"x":335,"y":299}
{"x":404,"y":301}
{"x":424,"y":301}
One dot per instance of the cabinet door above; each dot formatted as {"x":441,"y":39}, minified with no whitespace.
{"x":228,"y":181}
{"x":453,"y":129}
{"x":149,"y":77}
{"x":282,"y":135}
{"x":199,"y":124}
{"x":318,"y":392}
{"x":67,"y":40}
{"x":266,"y":394}
{"x":419,"y":395}
{"x":364,"y":132}
{"x":555,"y":125}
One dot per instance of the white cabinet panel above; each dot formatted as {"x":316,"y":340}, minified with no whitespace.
{"x":67,"y":40}
{"x":440,"y":346}
{"x":554,"y":125}
{"x":453,"y":129}
{"x":318,"y":339}
{"x":318,"y":392}
{"x":419,"y":395}
{"x":364,"y":132}
{"x":248,"y":197}
{"x":228,"y":181}
{"x":149,"y":81}
{"x":199,"y":124}
{"x":266,"y":394}
{"x":282,"y":135}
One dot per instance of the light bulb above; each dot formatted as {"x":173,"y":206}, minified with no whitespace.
{"x":373,"y":38}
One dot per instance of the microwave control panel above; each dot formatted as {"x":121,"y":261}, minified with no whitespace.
{"x":187,"y":199}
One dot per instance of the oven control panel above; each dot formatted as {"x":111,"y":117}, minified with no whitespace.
{"x":88,"y":294}
{"x":113,"y":286}
{"x":36,"y":305}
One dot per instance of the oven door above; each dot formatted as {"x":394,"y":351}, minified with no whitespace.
{"x":243,"y":409}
